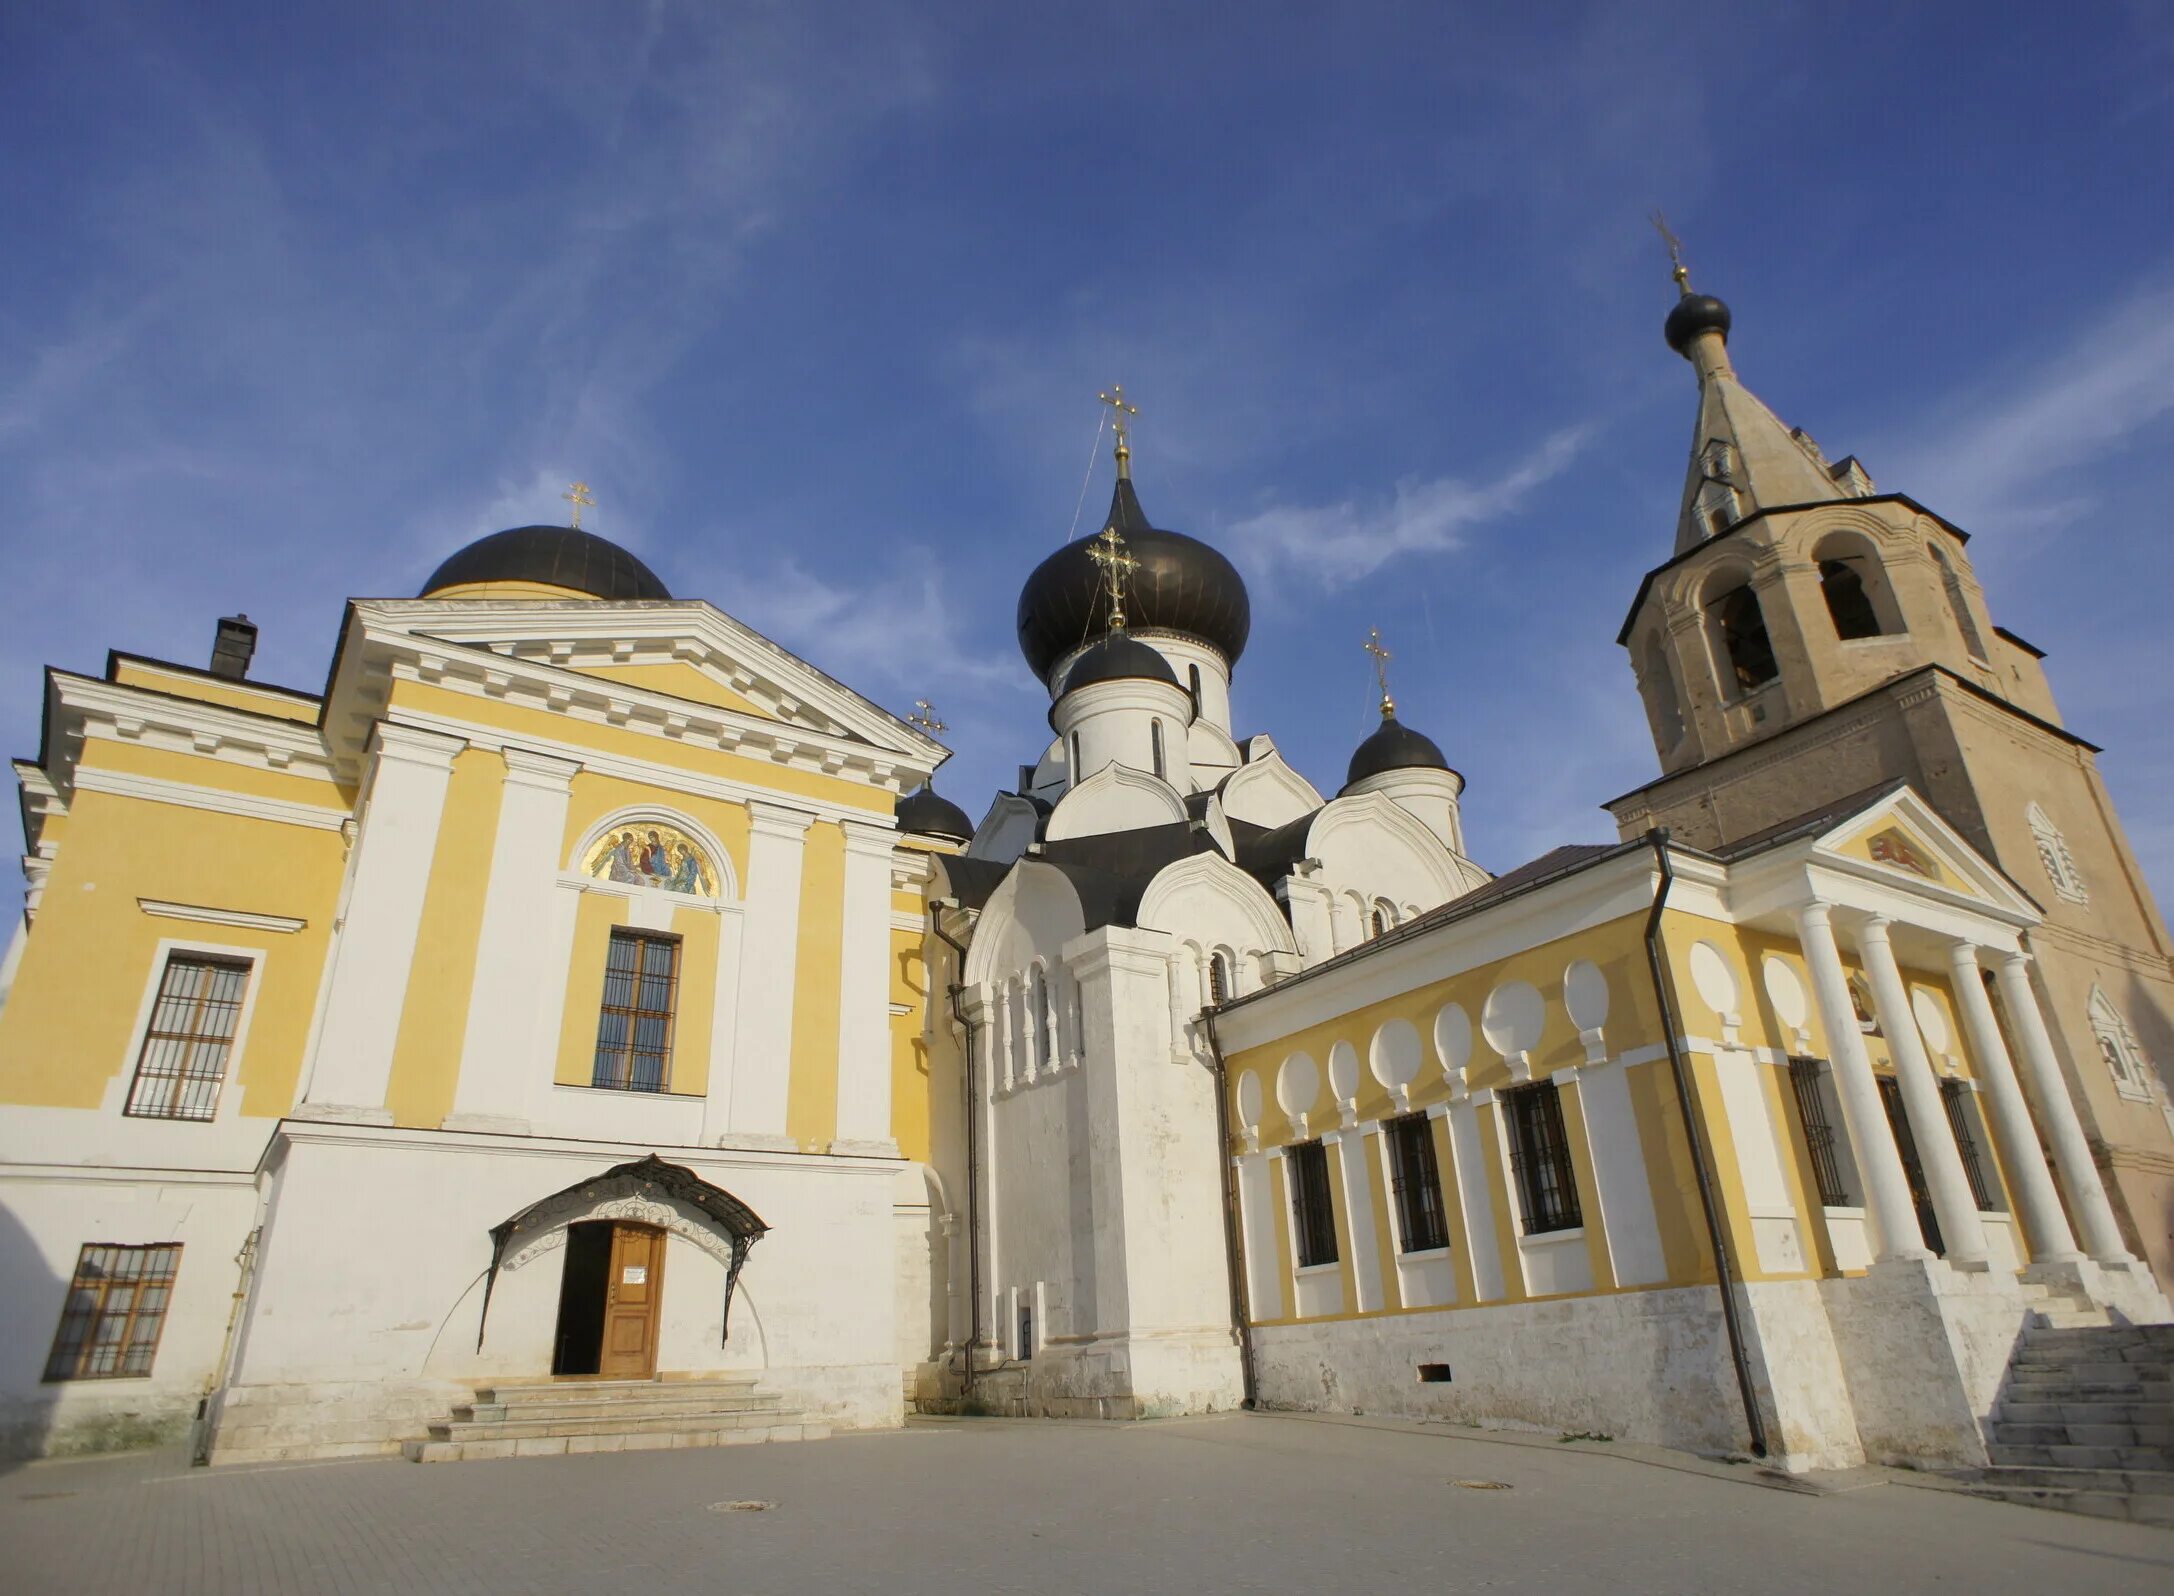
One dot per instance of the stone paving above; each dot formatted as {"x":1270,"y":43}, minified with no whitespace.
{"x":1240,"y":1503}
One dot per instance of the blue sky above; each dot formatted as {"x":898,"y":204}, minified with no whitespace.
{"x":300,"y":299}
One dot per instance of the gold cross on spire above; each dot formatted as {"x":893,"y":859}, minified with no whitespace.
{"x":1115,"y":399}
{"x":1108,"y":551}
{"x":926,"y":719}
{"x":1675,"y":255}
{"x":578,"y":494}
{"x":1381,"y":669}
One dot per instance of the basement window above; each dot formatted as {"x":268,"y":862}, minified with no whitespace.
{"x":1434,"y":1374}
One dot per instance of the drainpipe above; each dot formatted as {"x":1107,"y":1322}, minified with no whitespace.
{"x":1241,"y":1311}
{"x":1664,"y":995}
{"x":936,"y":909}
{"x":245,"y":1264}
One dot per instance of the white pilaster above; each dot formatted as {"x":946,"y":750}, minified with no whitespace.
{"x":509,"y":1035}
{"x":1952,"y":1202}
{"x":368,"y":979}
{"x":1627,"y":1218}
{"x":864,"y":994}
{"x":1350,"y":1148}
{"x":2071,"y":1152}
{"x":1257,"y":1227}
{"x":1887,"y":1188}
{"x":724,"y":1025}
{"x":2044,"y":1225}
{"x":763,"y":1050}
{"x":1476,"y":1197}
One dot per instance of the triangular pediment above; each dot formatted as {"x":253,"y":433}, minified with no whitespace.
{"x":1901,"y":836}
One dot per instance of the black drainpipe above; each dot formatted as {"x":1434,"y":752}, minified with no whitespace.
{"x":1234,"y":1248}
{"x":1685,"y":1095}
{"x":973,"y":1121}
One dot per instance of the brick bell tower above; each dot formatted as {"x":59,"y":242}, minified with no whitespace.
{"x":1811,"y":638}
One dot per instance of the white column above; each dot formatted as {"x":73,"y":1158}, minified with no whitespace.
{"x":1350,"y":1148}
{"x":1619,"y":1173}
{"x":1887,"y":1188}
{"x":1952,"y":1201}
{"x":2071,"y":1152}
{"x":1257,"y":1227}
{"x":864,"y":994}
{"x":2044,"y":1225}
{"x":368,"y":979}
{"x":763,"y":1050}
{"x":510,"y":1036}
{"x":1475,"y":1196}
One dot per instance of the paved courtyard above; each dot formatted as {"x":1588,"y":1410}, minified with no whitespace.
{"x":1241,"y":1503}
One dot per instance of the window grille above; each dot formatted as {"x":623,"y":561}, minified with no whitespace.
{"x":1312,"y":1209}
{"x":1961,"y":1112}
{"x":1218,"y":979}
{"x":1416,"y":1181}
{"x":1804,"y":1077}
{"x":634,"y":1031}
{"x":184,"y":1057}
{"x":109,"y":1326}
{"x":1546,"y":1186}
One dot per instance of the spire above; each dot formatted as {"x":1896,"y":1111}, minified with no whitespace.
{"x":1374,"y":647}
{"x":1743,"y":456}
{"x":1115,"y":399}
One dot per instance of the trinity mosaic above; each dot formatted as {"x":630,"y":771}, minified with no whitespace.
{"x":652,"y":856}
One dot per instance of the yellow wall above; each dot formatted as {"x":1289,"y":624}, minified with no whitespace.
{"x":681,"y":680}
{"x":245,"y":696}
{"x":90,"y":958}
{"x":811,"y":1105}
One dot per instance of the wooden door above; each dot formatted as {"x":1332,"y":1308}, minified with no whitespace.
{"x":633,"y":1293}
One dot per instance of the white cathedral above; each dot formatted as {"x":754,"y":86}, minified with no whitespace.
{"x":581,"y":1026}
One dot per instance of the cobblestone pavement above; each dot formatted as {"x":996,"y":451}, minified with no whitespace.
{"x":1242,"y":1503}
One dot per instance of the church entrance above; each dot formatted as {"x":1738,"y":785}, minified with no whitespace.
{"x":610,"y":1298}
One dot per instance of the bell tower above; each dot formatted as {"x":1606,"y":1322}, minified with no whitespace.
{"x":1811,"y":638}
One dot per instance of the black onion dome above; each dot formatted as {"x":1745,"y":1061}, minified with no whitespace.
{"x":1118,"y":658}
{"x":1182,"y":585}
{"x":557,"y":556}
{"x":1394,"y":746}
{"x":1694,"y":314}
{"x":925,"y":814}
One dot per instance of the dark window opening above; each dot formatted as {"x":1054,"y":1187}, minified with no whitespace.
{"x":1154,"y":731}
{"x":1913,"y":1167}
{"x":1415,"y":1180}
{"x":185,"y":1047}
{"x":1218,"y":979}
{"x":634,"y":1030}
{"x":1381,"y":920}
{"x":1434,"y":1374}
{"x":1847,"y":601}
{"x":116,"y":1306}
{"x":584,"y":1282}
{"x":1026,"y":1332}
{"x":1742,"y":626}
{"x":1962,"y":1106}
{"x":1547,"y":1187}
{"x":1806,"y":1077}
{"x":1193,"y":678}
{"x":1312,"y":1210}
{"x":1076,"y":771}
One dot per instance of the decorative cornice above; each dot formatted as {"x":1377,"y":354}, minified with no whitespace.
{"x":219,"y":800}
{"x":215,"y":916}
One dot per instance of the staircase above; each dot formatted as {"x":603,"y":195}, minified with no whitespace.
{"x":2085,"y":1420}
{"x":547,"y":1419}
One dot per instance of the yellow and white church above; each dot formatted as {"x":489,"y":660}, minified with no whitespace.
{"x":581,"y":1026}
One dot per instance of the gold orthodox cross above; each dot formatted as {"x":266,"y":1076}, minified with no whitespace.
{"x":1381,"y":669}
{"x":1108,"y":552}
{"x":1675,"y":253}
{"x":926,"y":719}
{"x":1115,"y":399}
{"x":578,"y":495}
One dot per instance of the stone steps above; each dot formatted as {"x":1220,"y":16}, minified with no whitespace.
{"x":545,"y":1420}
{"x":2085,"y":1422}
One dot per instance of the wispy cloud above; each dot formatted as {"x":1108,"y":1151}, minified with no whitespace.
{"x":1338,"y":544}
{"x":2012,"y":459}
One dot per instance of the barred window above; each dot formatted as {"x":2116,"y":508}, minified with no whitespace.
{"x":1546,"y":1186}
{"x":1815,"y":1109}
{"x":1312,"y":1209}
{"x":1416,"y":1180}
{"x":109,"y":1326}
{"x":1962,"y":1107}
{"x":634,"y":1032}
{"x":186,"y":1046}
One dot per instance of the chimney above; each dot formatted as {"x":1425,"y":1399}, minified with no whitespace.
{"x":232,"y":648}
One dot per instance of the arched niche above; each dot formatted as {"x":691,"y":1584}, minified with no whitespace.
{"x":663,"y":849}
{"x":1853,"y":580}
